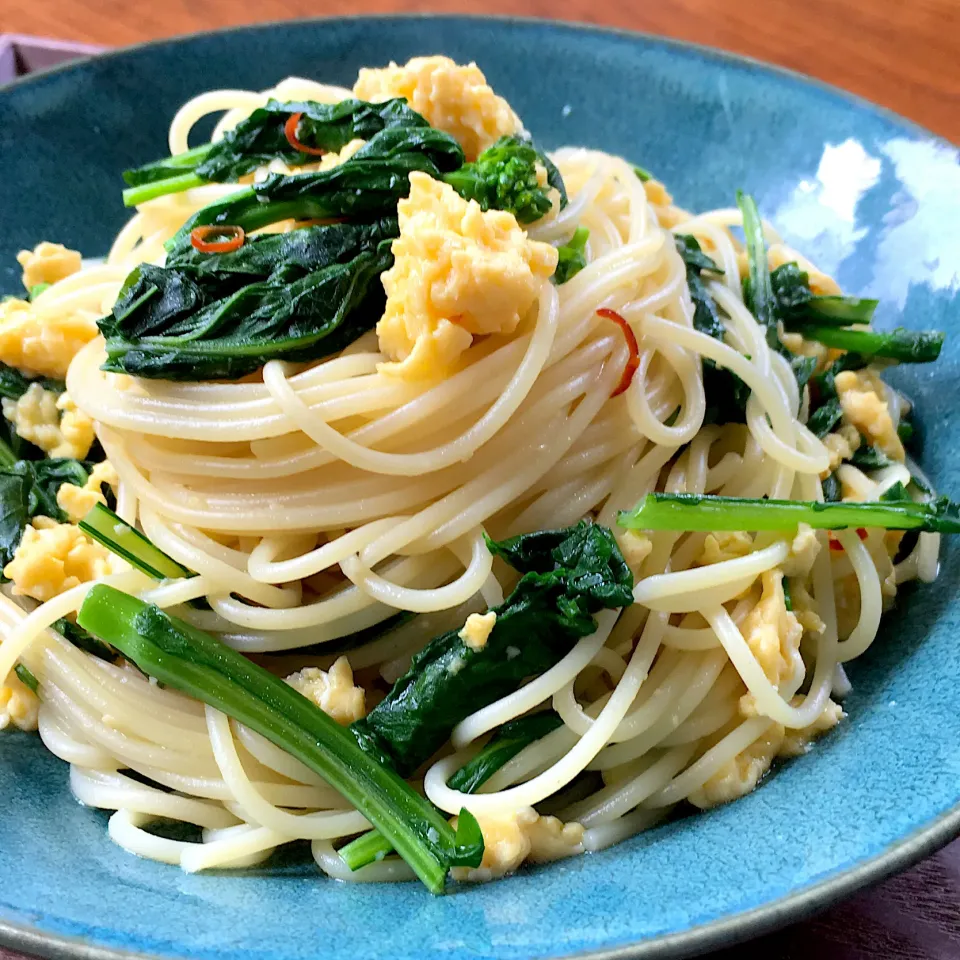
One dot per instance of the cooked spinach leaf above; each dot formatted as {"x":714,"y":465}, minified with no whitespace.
{"x":726,"y":393}
{"x":185,"y":338}
{"x":797,"y":303}
{"x":262,"y":137}
{"x":568,"y":575}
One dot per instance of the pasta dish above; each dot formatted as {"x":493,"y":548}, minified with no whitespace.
{"x":396,"y":486}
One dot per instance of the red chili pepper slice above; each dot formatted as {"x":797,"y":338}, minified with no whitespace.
{"x":835,"y":544}
{"x":290,"y":132}
{"x":633,"y":361}
{"x":217,"y":238}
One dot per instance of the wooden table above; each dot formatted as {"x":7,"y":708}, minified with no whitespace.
{"x":903,"y":54}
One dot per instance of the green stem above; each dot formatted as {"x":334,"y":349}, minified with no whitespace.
{"x":692,"y":512}
{"x":907,"y":346}
{"x":195,"y":663}
{"x":106,"y":527}
{"x":505,"y":744}
{"x":134,"y":196}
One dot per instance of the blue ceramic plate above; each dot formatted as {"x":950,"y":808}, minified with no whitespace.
{"x":868,"y":196}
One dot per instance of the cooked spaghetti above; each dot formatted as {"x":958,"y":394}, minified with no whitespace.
{"x":335,"y":517}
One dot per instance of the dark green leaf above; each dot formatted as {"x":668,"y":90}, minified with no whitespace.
{"x":310,"y":318}
{"x":504,"y":745}
{"x":567,"y":576}
{"x":831,"y":489}
{"x":868,"y":457}
{"x":15,"y":488}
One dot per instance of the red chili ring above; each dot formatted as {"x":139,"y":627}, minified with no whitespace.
{"x":633,"y":361}
{"x":290,"y":132}
{"x":231,"y":238}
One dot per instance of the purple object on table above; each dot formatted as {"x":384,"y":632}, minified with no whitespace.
{"x":20,"y":55}
{"x":914,"y":916}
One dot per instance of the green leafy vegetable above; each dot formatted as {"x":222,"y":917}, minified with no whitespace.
{"x":28,"y":488}
{"x":825,"y":409}
{"x":797,"y":303}
{"x":568,"y":575}
{"x":868,"y":457}
{"x":366,"y":186}
{"x":83,"y":639}
{"x":572,"y":256}
{"x":726,"y":393}
{"x":37,"y":289}
{"x":106,"y":527}
{"x":693,"y":512}
{"x":906,"y":346}
{"x":15,"y":487}
{"x":504,"y":745}
{"x":195,"y":663}
{"x":26,"y":677}
{"x":642,"y":175}
{"x":312,"y":317}
{"x":504,"y":177}
{"x":758,"y":290}
{"x":299,"y":295}
{"x":262,"y":137}
{"x":831,"y":488}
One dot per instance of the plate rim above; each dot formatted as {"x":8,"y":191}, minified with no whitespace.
{"x":702,"y":938}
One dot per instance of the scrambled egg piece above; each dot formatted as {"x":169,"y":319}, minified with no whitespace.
{"x":453,"y":98}
{"x":55,"y":557}
{"x":19,"y":705}
{"x":47,"y":263}
{"x":76,"y":502}
{"x":805,"y":608}
{"x":725,"y":545}
{"x":476,"y":631}
{"x":330,"y":160}
{"x":740,"y":775}
{"x":511,"y":838}
{"x":803,"y":552}
{"x":458,"y":273}
{"x":635,"y":547}
{"x":841,"y":446}
{"x":38,"y":343}
{"x":773,"y":634}
{"x":798,"y":742}
{"x":53,"y":423}
{"x":331,"y":690}
{"x":861,"y":398}
{"x":657,"y":193}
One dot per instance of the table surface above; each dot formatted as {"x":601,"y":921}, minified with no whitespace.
{"x":903,"y":54}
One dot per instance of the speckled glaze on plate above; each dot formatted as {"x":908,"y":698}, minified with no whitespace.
{"x":868,"y":196}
